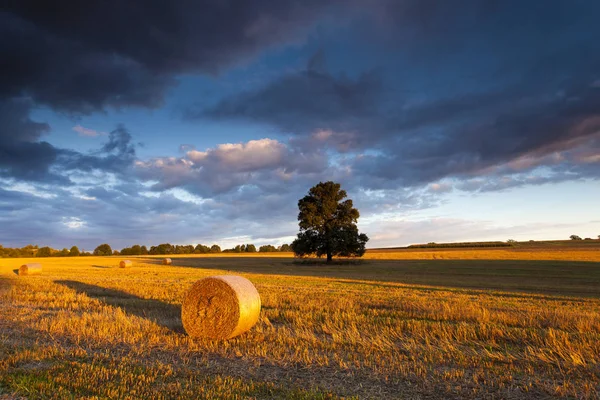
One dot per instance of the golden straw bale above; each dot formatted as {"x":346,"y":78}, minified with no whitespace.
{"x":166,"y":261}
{"x":125,"y":263}
{"x":220,"y":307}
{"x":30,"y":269}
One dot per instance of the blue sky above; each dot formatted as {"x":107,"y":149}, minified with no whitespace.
{"x":205,"y":122}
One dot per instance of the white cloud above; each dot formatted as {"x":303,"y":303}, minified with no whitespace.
{"x":73,"y":222}
{"x":86,"y":132}
{"x":238,"y":157}
{"x":264,"y":162}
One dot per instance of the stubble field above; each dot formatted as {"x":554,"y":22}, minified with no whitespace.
{"x":399,"y":328}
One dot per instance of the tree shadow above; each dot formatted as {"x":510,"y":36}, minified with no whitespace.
{"x":163,"y":314}
{"x":154,"y":261}
{"x":101,"y":266}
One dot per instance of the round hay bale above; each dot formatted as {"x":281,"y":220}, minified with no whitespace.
{"x":30,"y":269}
{"x":220,"y":307}
{"x":167,"y":261}
{"x":125,"y":263}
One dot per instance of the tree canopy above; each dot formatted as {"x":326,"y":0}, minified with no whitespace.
{"x":328,"y":224}
{"x":74,"y":252}
{"x":103,"y":250}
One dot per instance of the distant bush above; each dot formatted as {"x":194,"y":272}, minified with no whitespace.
{"x":103,"y":250}
{"x":287,"y":247}
{"x":267,"y":249}
{"x":44,"y":252}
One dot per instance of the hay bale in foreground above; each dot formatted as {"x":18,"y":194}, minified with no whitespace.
{"x":166,"y":261}
{"x":125,"y":263}
{"x":30,"y":269}
{"x":220,"y":307}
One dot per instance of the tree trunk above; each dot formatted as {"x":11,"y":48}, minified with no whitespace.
{"x":329,"y":257}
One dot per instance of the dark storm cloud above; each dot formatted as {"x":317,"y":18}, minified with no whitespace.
{"x":116,"y":156}
{"x":521,"y":78}
{"x":22,"y":155}
{"x":81,"y":57}
{"x":303,"y":102}
{"x":546,"y":126}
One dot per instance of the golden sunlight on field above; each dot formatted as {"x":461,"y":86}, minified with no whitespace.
{"x":592,"y":253}
{"x":370,"y":329}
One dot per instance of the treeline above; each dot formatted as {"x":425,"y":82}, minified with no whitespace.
{"x":460,"y":245}
{"x":250,"y":248}
{"x":136,"y":250}
{"x":35,"y":251}
{"x":167,"y":248}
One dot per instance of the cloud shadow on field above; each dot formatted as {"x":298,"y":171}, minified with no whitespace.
{"x":163,"y":314}
{"x":549,"y":277}
{"x":154,"y":261}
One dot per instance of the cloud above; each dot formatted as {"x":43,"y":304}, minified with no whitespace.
{"x":403,"y":232}
{"x":122,"y":218}
{"x":266,"y":163}
{"x":501,"y":104}
{"x":241,"y":157}
{"x":307,"y":102}
{"x":81,"y":59}
{"x":437,"y":97}
{"x":86,"y":132}
{"x":22,"y":155}
{"x":116,"y":156}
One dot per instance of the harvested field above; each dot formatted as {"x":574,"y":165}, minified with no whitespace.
{"x":367,"y":329}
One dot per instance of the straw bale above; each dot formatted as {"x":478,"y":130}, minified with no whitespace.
{"x":220,"y":307}
{"x":166,"y":261}
{"x":125,"y":263}
{"x":30,"y":269}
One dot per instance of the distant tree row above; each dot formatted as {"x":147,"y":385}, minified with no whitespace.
{"x":575,"y":237}
{"x":167,"y":248}
{"x":241,"y":248}
{"x":136,"y":250}
{"x":35,"y":251}
{"x":250,"y":248}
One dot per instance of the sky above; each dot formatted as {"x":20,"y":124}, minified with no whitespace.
{"x":145,"y":122}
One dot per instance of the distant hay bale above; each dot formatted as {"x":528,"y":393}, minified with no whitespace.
{"x":125,"y":263}
{"x":166,"y":261}
{"x":30,"y":269}
{"x":220,"y":307}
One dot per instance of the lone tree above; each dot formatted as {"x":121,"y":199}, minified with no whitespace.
{"x":328,"y":224}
